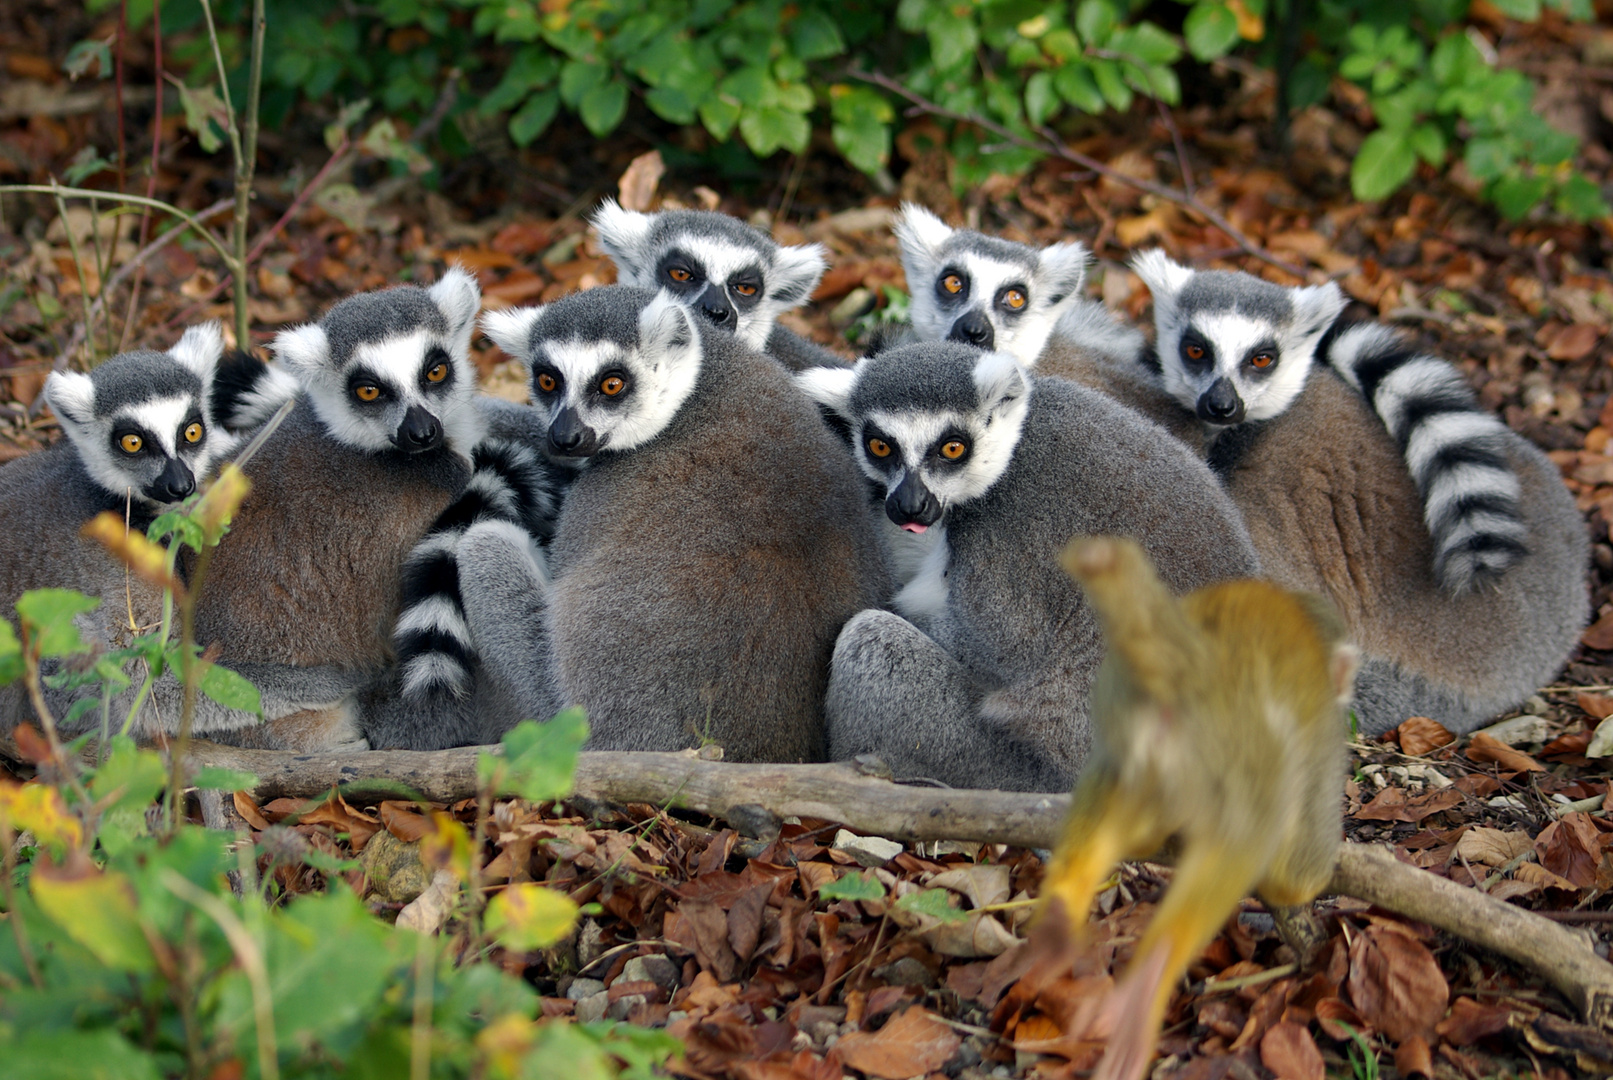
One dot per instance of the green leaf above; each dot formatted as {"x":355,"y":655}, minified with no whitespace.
{"x":1076,"y":85}
{"x":1429,"y":142}
{"x":1147,"y":43}
{"x":1517,"y":194}
{"x":1581,"y":199}
{"x":952,"y":40}
{"x":47,"y":616}
{"x":534,"y":117}
{"x":814,"y":36}
{"x":1060,"y":44}
{"x":69,"y":1054}
{"x":87,"y":162}
{"x":866,"y":144}
{"x":603,"y":107}
{"x":1210,"y":30}
{"x":863,"y":886}
{"x":230,"y":689}
{"x":720,"y":114}
{"x":770,"y":128}
{"x":528,"y":916}
{"x":11,"y":666}
{"x":203,"y":109}
{"x":1385,"y":161}
{"x":1522,"y":10}
{"x":213,"y":778}
{"x":1113,"y":87}
{"x":129,"y":776}
{"x":1041,"y":98}
{"x":99,"y":911}
{"x":936,"y":903}
{"x":1489,"y":158}
{"x":1095,"y":20}
{"x":539,"y":759}
{"x":671,"y":103}
{"x":578,"y":77}
{"x":81,"y":56}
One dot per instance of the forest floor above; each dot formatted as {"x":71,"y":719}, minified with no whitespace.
{"x":727,"y":940}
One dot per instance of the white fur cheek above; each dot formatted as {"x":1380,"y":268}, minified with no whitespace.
{"x":755,"y":330}
{"x":925,"y":596}
{"x":1279,"y":391}
{"x":342,"y":425}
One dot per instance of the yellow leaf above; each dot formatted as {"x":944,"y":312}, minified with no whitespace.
{"x":1251,"y":27}
{"x":146,"y":560}
{"x":503,"y":1044}
{"x":40,"y":809}
{"x":447,"y":846}
{"x":99,"y":912}
{"x":529,"y":916}
{"x":223,"y":499}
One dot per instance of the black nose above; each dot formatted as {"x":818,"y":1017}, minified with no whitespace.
{"x":715,"y":307}
{"x":973,"y":329}
{"x":420,"y":431}
{"x":912,"y":504}
{"x":174,"y":483}
{"x":570,"y":437}
{"x":1220,"y":404}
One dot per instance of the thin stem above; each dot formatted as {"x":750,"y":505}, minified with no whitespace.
{"x":163,"y":628}
{"x":151,"y":180}
{"x":190,"y":675}
{"x":78,"y":265}
{"x":36,"y":694}
{"x":1052,"y":144}
{"x":134,"y":200}
{"x":8,"y":866}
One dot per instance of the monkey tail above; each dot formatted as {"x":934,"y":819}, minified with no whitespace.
{"x":436,"y":656}
{"x":246,"y":391}
{"x":1455,"y":451}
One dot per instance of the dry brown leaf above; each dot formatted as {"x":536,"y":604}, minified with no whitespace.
{"x":1493,"y":847}
{"x":1576,"y":342}
{"x":1598,"y":705}
{"x":1572,"y":849}
{"x":1600,"y":634}
{"x":638,"y":183}
{"x":402,"y":821}
{"x":1333,"y":1014}
{"x":702,"y":928}
{"x":912,"y":1044}
{"x":247,"y":807}
{"x":1469,"y":1021}
{"x":1413,"y":1057}
{"x":1289,"y":1051}
{"x":1419,"y":734}
{"x":1395,"y":982}
{"x":745,"y":920}
{"x":1486,"y":748}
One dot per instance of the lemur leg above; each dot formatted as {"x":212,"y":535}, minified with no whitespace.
{"x":896,"y":693}
{"x":504,"y":586}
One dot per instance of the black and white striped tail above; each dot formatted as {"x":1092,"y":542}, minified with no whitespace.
{"x":246,"y":391}
{"x":509,"y":483}
{"x":1456,"y":452}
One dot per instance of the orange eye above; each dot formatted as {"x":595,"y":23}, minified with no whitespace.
{"x":879,"y":448}
{"x":367,"y":392}
{"x":953,"y":449}
{"x":612,"y":385}
{"x":546,"y":382}
{"x":952,"y":283}
{"x":1262,"y":360}
{"x":438,"y":373}
{"x":1194,"y":352}
{"x":1014,"y":299}
{"x":678,"y":273}
{"x":131,"y":444}
{"x":193,"y":433}
{"x":745,"y":290}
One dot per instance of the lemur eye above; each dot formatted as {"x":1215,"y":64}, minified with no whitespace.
{"x":1262,"y":360}
{"x":745,"y":289}
{"x":879,"y":448}
{"x":1193,"y":352}
{"x":612,"y":385}
{"x":953,"y":449}
{"x":131,"y":444}
{"x":546,"y":382}
{"x":1014,"y":299}
{"x":952,"y":283}
{"x":193,"y":433}
{"x":678,"y":273}
{"x":437,"y":373}
{"x":367,"y":392}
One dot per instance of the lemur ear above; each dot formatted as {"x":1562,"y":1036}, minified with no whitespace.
{"x":1062,"y":269}
{"x":1000,"y":380}
{"x":1165,"y":279}
{"x":511,"y":330}
{"x":829,"y":386}
{"x":919,"y":232}
{"x":796,"y":271}
{"x":71,"y":396}
{"x":1316,"y":306}
{"x":459,"y":298}
{"x":199,"y":349}
{"x":624,"y":235}
{"x":664,"y":327}
{"x":304,"y":350}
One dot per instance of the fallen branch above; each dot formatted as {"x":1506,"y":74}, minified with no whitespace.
{"x":1052,"y":144}
{"x":849,"y":794}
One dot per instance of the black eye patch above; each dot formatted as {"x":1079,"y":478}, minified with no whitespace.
{"x":440,"y":364}
{"x":952,"y":449}
{"x":367,"y":388}
{"x":745,"y":288}
{"x":1198,"y":355}
{"x":880,"y":449}
{"x":952,"y":286}
{"x":679,"y":273}
{"x":1262,"y":358}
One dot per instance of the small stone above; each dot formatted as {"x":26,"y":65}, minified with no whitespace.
{"x":1520,"y":730}
{"x":906,"y":972}
{"x":590,"y":943}
{"x":867,"y":850}
{"x":584,"y":988}
{"x":656,"y":968}
{"x":954,"y":847}
{"x":857,"y":302}
{"x":622,"y":1007}
{"x":393,"y":868}
{"x":824,"y":1033}
{"x":592,"y":1008}
{"x":1506,"y":802}
{"x":675,"y":1015}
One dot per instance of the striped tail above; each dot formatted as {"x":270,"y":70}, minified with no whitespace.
{"x":1455,"y":451}
{"x":509,"y":483}
{"x":247,"y":391}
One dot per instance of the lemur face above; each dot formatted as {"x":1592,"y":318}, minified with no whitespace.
{"x":984,"y":291}
{"x":139,"y":421}
{"x":609,"y":367}
{"x":1231,"y":346}
{"x":936,"y":424}
{"x":391,"y":370}
{"x":734,"y":277}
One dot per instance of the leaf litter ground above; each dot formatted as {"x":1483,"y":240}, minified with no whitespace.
{"x":730,"y":941}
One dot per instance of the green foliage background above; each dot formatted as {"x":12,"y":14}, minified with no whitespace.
{"x":767,"y":72}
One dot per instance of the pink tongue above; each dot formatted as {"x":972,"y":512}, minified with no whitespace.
{"x":914,"y":527}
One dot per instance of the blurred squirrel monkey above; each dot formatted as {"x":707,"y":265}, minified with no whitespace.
{"x":1218,"y":719}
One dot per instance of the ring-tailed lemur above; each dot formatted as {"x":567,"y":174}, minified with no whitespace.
{"x":981,"y":680}
{"x":378,"y":446}
{"x":701,"y":564}
{"x":734,"y":277}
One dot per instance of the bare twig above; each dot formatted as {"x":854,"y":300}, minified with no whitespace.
{"x":1181,"y":151}
{"x":156,"y":168}
{"x":1052,"y":144}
